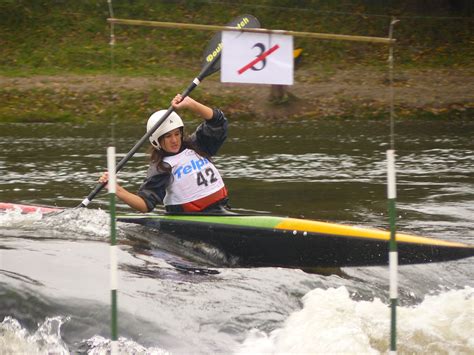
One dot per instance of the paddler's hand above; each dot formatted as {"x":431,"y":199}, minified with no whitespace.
{"x":178,"y":102}
{"x":189,"y":103}
{"x":130,"y":199}
{"x":104,"y":178}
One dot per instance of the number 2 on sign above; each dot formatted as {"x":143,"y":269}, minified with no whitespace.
{"x":201,"y":180}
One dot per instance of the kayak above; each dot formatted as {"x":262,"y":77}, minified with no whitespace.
{"x":270,"y":241}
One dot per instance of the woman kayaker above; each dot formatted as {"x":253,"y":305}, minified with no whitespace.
{"x":181,"y":175}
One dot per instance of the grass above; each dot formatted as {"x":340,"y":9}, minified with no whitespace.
{"x":46,"y":105}
{"x":39,"y":37}
{"x":60,"y":37}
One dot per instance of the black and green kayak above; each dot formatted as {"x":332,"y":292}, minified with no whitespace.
{"x":261,"y":241}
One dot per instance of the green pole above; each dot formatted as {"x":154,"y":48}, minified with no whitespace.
{"x":112,"y":186}
{"x":113,"y":248}
{"x":392,"y":211}
{"x":393,"y":253}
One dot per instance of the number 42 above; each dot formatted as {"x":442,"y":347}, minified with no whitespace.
{"x":201,"y":180}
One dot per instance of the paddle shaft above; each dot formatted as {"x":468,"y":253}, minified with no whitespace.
{"x":197,"y":80}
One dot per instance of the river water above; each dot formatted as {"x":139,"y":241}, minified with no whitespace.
{"x":54,"y":276}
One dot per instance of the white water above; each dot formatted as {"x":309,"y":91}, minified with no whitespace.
{"x":337,"y":315}
{"x":331,"y":322}
{"x":54,"y":287}
{"x":47,"y":340}
{"x":74,"y":223}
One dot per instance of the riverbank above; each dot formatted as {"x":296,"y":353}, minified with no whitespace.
{"x":56,"y":60}
{"x":359,"y":92}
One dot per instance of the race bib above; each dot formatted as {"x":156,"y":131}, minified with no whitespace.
{"x":193,"y":177}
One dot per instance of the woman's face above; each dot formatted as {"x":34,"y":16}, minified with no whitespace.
{"x":171,"y":141}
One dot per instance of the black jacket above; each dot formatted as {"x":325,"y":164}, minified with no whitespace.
{"x":208,"y":137}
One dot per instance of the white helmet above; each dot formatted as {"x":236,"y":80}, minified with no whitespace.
{"x":171,"y":122}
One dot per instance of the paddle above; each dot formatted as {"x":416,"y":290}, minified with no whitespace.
{"x":211,"y":64}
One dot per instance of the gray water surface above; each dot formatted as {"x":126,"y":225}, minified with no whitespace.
{"x":324,"y":170}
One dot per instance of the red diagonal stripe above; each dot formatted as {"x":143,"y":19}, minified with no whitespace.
{"x":258,"y":59}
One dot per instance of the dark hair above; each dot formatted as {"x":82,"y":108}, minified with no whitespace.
{"x":157,"y":156}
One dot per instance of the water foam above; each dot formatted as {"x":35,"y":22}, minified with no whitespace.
{"x":14,"y":339}
{"x":45,"y":340}
{"x":98,"y":345}
{"x":15,"y":218}
{"x":331,"y":322}
{"x":80,"y":223}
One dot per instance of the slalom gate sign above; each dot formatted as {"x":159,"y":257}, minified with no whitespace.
{"x":257,"y":58}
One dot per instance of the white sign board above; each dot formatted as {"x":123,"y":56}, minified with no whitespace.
{"x":258,"y":58}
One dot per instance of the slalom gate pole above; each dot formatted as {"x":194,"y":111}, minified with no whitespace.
{"x":113,"y":248}
{"x":112,"y":187}
{"x":393,"y":253}
{"x":392,"y":195}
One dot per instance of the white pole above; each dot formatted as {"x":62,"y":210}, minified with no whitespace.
{"x":113,"y":249}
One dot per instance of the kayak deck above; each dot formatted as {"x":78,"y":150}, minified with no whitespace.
{"x":297,"y":243}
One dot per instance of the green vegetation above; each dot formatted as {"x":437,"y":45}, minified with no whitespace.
{"x":47,"y":37}
{"x":60,"y":37}
{"x":46,"y":105}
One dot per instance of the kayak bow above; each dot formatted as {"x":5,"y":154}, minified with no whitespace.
{"x":260,"y":240}
{"x":28,"y":208}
